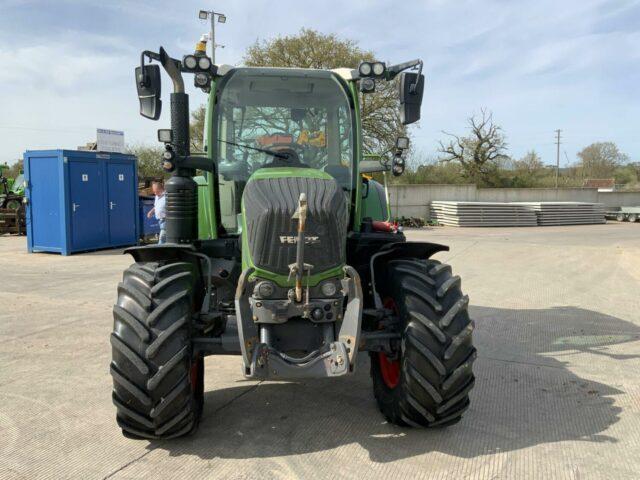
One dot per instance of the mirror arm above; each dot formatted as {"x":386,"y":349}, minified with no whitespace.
{"x":394,"y":70}
{"x":197,"y":163}
{"x":414,"y":86}
{"x":170,"y":65}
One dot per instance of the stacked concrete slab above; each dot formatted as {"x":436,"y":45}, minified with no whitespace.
{"x":516,"y":214}
{"x":482,"y":214}
{"x":566,"y":213}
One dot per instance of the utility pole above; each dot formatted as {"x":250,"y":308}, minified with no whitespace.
{"x":557,"y":155}
{"x":222,"y":18}
{"x":212,"y":38}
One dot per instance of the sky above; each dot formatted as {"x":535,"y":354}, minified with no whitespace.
{"x":541,"y":65}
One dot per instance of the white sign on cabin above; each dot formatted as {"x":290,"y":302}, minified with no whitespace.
{"x":110,"y":140}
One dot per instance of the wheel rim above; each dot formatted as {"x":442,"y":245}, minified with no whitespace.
{"x":389,"y":369}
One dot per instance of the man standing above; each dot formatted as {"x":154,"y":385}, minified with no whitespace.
{"x":159,"y":209}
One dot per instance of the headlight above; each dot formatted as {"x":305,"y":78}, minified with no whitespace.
{"x":328,"y":289}
{"x":190,"y":62}
{"x":204,"y":63}
{"x":378,"y":68}
{"x":201,"y":79}
{"x":168,"y":166}
{"x":398,"y":167}
{"x":264,"y":289}
{"x":365,"y":69}
{"x":367,"y":85}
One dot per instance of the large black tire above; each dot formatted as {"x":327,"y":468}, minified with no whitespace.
{"x":434,"y":374}
{"x":157,"y":384}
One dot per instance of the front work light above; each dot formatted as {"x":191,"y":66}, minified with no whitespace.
{"x":222,"y":18}
{"x":378,"y":69}
{"x":165,"y":135}
{"x":203,"y":15}
{"x":367,"y":85}
{"x":201,"y":79}
{"x":402,"y":143}
{"x":372,"y":69}
{"x":190,"y":62}
{"x":365,"y":69}
{"x":204,"y":63}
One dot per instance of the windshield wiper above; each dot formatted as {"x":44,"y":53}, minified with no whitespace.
{"x":284,"y":156}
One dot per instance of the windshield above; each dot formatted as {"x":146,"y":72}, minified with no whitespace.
{"x":279,"y":118}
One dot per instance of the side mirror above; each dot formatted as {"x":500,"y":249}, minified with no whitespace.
{"x":411,"y":87}
{"x":149,"y":87}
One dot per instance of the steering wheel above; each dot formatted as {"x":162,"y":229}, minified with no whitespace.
{"x":292,"y":160}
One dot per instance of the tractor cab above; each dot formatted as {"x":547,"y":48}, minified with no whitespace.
{"x":284,"y":119}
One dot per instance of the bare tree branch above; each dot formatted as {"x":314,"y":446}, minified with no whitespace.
{"x":480,"y":152}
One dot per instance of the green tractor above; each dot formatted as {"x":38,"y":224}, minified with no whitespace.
{"x":274,"y":254}
{"x":12,"y":208}
{"x":11,"y":190}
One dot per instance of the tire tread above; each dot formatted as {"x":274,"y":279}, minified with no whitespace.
{"x":151,"y":351}
{"x":437,"y":352}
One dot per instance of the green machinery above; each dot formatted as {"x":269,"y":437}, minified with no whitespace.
{"x":12,"y":211}
{"x":281,"y":252}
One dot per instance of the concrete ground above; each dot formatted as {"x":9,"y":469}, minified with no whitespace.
{"x":557,"y":392}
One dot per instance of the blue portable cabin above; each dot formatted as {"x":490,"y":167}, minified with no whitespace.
{"x":80,"y":200}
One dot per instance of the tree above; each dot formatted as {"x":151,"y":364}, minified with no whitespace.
{"x":311,"y":49}
{"x":529,"y":164}
{"x":149,"y":161}
{"x":528,"y":171}
{"x":196,"y":129}
{"x":481,"y":153}
{"x":14,"y":169}
{"x":600,"y":160}
{"x":627,"y":175}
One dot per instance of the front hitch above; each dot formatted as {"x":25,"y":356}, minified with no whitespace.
{"x":338,"y":357}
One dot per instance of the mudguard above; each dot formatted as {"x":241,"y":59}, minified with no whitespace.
{"x":180,"y":253}
{"x":391,"y":251}
{"x":151,"y":253}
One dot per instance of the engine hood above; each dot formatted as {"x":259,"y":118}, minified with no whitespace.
{"x":269,"y":202}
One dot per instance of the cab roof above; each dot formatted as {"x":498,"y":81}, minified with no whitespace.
{"x":347,"y":74}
